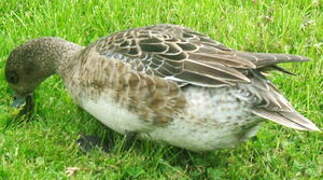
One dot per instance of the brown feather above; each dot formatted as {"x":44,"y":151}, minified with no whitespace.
{"x":216,"y":71}
{"x":276,"y":68}
{"x":269,"y":59}
{"x":290,"y":119}
{"x":229,"y":60}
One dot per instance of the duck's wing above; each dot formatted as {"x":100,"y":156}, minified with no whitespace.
{"x":176,"y":53}
{"x":185,"y":56}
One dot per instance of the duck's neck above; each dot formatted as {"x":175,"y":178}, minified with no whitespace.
{"x":55,"y":54}
{"x":65,"y":56}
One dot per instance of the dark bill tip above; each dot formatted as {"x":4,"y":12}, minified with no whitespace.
{"x":26,"y":103}
{"x":18,"y":101}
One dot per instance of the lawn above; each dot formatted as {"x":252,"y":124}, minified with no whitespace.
{"x":45,"y":147}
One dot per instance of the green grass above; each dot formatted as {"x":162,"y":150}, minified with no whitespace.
{"x":45,"y":147}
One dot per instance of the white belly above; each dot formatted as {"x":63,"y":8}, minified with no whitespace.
{"x":201,"y":138}
{"x":184,"y":131}
{"x":114,"y":116}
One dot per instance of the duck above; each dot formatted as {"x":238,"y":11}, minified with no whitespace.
{"x":165,"y":83}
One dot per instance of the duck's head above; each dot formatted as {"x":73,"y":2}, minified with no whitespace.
{"x":30,"y":64}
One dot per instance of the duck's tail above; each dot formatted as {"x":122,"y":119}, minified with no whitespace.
{"x":275,"y":107}
{"x":291,"y":119}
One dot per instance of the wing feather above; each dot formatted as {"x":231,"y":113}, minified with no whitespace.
{"x":275,"y":107}
{"x":270,"y":59}
{"x":290,"y":119}
{"x":171,"y":50}
{"x":216,"y":71}
{"x":178,"y":52}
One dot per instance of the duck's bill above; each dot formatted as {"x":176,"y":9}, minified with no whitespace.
{"x":24,"y":103}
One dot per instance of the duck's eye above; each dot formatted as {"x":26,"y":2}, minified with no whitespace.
{"x":12,"y":77}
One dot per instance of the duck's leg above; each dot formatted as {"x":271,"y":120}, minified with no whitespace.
{"x":129,"y":140}
{"x":87,"y":143}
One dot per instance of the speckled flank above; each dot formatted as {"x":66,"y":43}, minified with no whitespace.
{"x":214,"y":118}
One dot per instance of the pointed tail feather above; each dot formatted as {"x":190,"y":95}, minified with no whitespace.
{"x":289,"y":119}
{"x":277,"y":68}
{"x":269,"y":59}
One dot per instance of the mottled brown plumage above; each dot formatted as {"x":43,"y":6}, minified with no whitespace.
{"x":165,"y":83}
{"x":151,"y":97}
